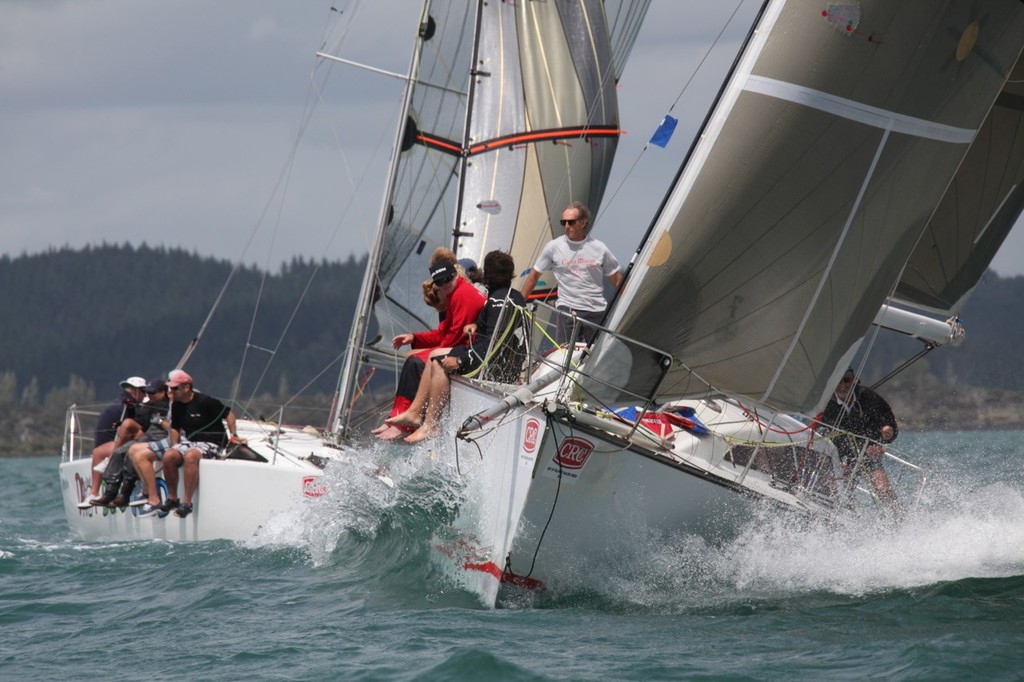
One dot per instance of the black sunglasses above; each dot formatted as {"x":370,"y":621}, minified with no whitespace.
{"x":570,"y":222}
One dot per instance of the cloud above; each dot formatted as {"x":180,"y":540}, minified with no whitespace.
{"x":174,"y":123}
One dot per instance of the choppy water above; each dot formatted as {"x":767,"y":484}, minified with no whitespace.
{"x":347,"y":591}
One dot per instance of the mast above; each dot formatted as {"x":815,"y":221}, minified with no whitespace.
{"x":360,"y":323}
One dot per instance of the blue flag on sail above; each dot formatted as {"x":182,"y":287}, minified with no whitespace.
{"x":664,"y":132}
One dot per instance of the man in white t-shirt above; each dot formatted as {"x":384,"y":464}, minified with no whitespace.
{"x":580,"y":264}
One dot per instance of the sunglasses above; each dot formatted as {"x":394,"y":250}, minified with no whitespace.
{"x":176,"y":388}
{"x":847,"y":380}
{"x":569,"y":222}
{"x":443,"y":281}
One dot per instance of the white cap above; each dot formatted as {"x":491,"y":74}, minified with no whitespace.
{"x":133,"y":382}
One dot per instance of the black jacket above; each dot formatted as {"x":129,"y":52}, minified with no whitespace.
{"x":867,"y":414}
{"x":494,"y":317}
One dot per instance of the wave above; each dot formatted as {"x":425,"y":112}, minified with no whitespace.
{"x":953,"y":541}
{"x":382,"y":507}
{"x":380,"y":536}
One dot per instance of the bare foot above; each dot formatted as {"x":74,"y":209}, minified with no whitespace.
{"x":406,"y":418}
{"x":423,"y":433}
{"x":380,"y":429}
{"x":391,"y":433}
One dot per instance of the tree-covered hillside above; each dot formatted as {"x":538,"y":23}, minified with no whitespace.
{"x":75,"y":322}
{"x":80,"y":321}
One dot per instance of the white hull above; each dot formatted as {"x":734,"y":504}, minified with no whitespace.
{"x":234,"y":499}
{"x":528,"y":521}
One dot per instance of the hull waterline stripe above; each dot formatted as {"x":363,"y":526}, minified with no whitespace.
{"x":505,"y":578}
{"x":858,"y":111}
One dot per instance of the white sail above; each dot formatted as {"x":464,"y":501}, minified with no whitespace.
{"x":793,"y":215}
{"x":511,"y":114}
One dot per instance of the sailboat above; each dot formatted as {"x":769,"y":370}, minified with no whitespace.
{"x":861,"y":165}
{"x":508,"y":108}
{"x":859,"y":168}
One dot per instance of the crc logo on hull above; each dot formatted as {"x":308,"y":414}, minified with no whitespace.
{"x":573,"y":453}
{"x":531,"y":435}
{"x":312,"y":486}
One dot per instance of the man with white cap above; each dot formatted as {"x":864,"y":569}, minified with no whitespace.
{"x":197,"y":432}
{"x":107,"y":435}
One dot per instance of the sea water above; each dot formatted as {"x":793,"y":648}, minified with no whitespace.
{"x":347,"y":589}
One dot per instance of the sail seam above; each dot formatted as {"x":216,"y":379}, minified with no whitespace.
{"x":798,"y":334}
{"x":858,"y":111}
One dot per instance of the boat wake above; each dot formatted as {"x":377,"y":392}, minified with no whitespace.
{"x":949,"y":537}
{"x":382,"y":535}
{"x":377,"y":515}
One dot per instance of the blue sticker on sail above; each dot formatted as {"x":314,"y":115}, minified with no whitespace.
{"x":664,"y":132}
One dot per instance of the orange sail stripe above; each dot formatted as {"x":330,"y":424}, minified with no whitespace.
{"x":517,"y":139}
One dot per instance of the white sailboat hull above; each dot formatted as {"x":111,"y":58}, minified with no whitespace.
{"x":234,"y":498}
{"x":554,"y":496}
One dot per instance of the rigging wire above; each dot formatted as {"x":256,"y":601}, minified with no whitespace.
{"x":682,"y":91}
{"x":278,"y":194}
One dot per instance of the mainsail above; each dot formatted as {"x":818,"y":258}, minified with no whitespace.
{"x":510,"y":114}
{"x":813,"y":180}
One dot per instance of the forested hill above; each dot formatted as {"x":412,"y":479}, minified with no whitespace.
{"x":75,"y":322}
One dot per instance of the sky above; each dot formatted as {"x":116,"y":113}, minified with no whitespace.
{"x":187,"y":123}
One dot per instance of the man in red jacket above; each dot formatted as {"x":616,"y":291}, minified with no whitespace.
{"x":463,"y":307}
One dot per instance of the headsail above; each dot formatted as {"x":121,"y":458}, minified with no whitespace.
{"x":511,"y":114}
{"x":795,"y":212}
{"x":982,"y":204}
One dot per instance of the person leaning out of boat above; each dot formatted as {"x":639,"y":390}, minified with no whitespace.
{"x":463,"y":305}
{"x":120,"y":477}
{"x":867,"y":423}
{"x":580,"y":263}
{"x":197,"y":432}
{"x":496,"y":316}
{"x":113,"y":427}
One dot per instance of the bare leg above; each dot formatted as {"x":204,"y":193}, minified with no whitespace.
{"x":413,"y":415}
{"x":172,"y":462}
{"x":880,"y":480}
{"x":99,"y":453}
{"x":143,"y":458}
{"x":440,"y":389}
{"x":192,"y":458}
